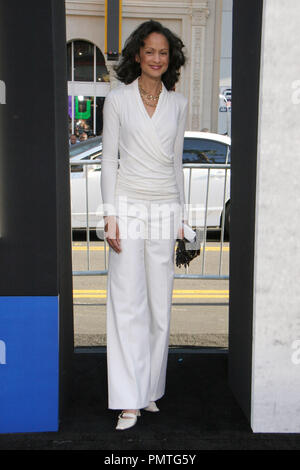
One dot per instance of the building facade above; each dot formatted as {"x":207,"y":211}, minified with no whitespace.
{"x":90,"y":74}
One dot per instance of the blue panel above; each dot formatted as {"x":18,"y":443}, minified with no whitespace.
{"x":29,"y":364}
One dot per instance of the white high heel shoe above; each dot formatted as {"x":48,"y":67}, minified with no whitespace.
{"x":152,"y":407}
{"x":127,"y":420}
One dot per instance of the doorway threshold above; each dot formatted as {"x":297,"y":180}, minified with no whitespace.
{"x":172,"y":350}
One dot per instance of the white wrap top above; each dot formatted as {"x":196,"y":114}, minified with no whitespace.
{"x":150,"y":147}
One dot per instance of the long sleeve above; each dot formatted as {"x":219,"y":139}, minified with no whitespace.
{"x":178,"y":152}
{"x":109,"y":161}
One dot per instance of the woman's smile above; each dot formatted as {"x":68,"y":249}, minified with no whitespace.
{"x":154,"y":55}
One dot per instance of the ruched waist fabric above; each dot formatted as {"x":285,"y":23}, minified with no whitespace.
{"x":149,"y":187}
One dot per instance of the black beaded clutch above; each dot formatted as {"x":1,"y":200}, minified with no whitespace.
{"x":186,"y":251}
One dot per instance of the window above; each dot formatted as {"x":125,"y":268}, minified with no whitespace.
{"x":88,"y":62}
{"x":86,"y":146}
{"x":90,"y":149}
{"x":83,"y":61}
{"x":203,"y":151}
{"x":88,"y":84}
{"x":84,"y":115}
{"x":101,"y":70}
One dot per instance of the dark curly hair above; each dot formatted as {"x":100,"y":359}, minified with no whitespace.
{"x":127,"y":70}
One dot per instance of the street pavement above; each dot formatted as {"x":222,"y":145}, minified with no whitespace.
{"x":199,"y":306}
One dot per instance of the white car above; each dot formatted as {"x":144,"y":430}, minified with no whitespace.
{"x":199,"y":147}
{"x":82,"y":176}
{"x":207,"y":148}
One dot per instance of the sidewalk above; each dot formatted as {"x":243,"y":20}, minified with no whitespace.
{"x":197,"y":412}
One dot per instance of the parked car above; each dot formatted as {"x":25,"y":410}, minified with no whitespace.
{"x":207,"y":148}
{"x":199,"y":147}
{"x":90,"y":149}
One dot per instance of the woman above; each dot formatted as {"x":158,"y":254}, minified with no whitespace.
{"x":144,"y":119}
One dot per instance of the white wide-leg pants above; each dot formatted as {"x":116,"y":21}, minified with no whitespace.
{"x":139,"y":297}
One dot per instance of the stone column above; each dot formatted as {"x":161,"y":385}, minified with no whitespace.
{"x":112,"y":74}
{"x":199,"y":20}
{"x":276,"y":301}
{"x":264,"y":304}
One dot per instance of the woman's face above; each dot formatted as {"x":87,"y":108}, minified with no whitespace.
{"x":154,"y":55}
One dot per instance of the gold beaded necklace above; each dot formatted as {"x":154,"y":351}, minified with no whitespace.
{"x":148,"y":97}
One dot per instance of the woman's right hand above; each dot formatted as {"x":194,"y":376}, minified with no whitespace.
{"x":111,"y":232}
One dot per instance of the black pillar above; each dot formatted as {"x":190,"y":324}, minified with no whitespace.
{"x":35,"y":230}
{"x":247,"y":19}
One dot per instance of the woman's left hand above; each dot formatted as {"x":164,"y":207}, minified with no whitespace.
{"x":180,"y":234}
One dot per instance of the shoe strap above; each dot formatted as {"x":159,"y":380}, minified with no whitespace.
{"x":126,"y":414}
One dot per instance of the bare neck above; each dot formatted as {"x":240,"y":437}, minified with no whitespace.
{"x":152,"y":85}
